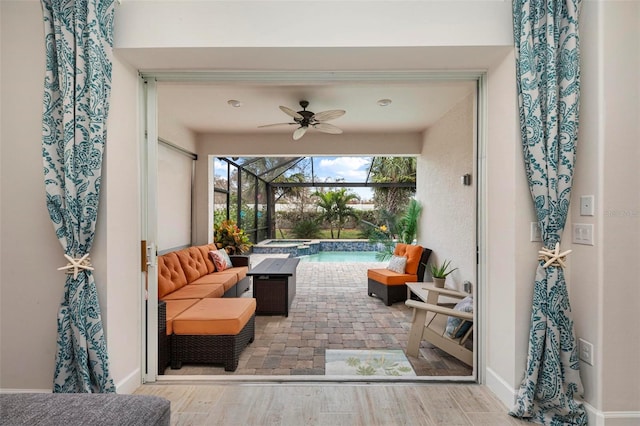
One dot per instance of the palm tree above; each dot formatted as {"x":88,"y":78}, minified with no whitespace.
{"x":389,"y":170}
{"x":343,"y":210}
{"x":336,"y":209}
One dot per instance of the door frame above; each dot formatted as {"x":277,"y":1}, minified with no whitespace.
{"x":149,"y":178}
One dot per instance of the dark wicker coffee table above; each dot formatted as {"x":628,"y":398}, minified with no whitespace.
{"x":274,"y":285}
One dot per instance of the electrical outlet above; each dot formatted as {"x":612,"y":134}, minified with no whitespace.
{"x":585,"y":351}
{"x":534,"y":233}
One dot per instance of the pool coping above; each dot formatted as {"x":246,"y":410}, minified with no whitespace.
{"x":304,"y":247}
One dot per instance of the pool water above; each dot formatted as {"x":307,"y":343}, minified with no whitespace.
{"x":341,"y":256}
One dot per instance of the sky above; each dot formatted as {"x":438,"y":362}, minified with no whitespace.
{"x":349,"y":169}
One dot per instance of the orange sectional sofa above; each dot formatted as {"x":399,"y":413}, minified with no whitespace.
{"x":187,"y":277}
{"x":190,"y":274}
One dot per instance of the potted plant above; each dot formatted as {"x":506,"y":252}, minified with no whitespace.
{"x":440,"y":272}
{"x":228,"y":236}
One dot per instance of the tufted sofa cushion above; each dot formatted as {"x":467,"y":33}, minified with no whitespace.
{"x":192,"y":263}
{"x":204,"y":252}
{"x":170,"y":274}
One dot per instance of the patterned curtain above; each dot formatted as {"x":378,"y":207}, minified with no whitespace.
{"x":548,"y":77}
{"x":78,"y":43}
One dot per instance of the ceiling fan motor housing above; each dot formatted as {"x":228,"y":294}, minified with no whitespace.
{"x":306,"y":121}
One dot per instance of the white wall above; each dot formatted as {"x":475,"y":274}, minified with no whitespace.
{"x":27,"y":350}
{"x":620,"y":206}
{"x":31,"y":287}
{"x":510,"y":258}
{"x":118,"y":237}
{"x":605,"y":288}
{"x":448,"y":221}
{"x":193,"y":23}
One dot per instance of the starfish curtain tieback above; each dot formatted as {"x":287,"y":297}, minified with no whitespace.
{"x":553,"y":257}
{"x":74,"y":265}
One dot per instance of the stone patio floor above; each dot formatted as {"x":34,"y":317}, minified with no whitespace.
{"x":331,"y":310}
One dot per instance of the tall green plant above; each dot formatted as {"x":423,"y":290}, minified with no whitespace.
{"x":335,"y":208}
{"x":408,"y":223}
{"x":401,"y":228}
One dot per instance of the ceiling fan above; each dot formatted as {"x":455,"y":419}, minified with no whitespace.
{"x":306,"y":119}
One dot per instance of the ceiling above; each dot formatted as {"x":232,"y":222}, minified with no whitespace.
{"x":422,"y":82}
{"x":202,"y":107}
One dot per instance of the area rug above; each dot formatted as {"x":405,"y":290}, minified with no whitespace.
{"x":378,"y":362}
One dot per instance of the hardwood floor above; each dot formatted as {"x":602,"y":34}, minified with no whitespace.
{"x":331,"y":404}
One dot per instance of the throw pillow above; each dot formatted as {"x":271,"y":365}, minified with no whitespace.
{"x":457,"y":327}
{"x":397,"y":264}
{"x":220,"y":259}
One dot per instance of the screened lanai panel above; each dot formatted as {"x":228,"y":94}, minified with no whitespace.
{"x":220,"y":207}
{"x":248,"y":202}
{"x":299,"y":171}
{"x":262,"y":215}
{"x":266,"y":167}
{"x":220,"y":174}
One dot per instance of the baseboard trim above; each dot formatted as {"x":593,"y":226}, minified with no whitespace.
{"x":130,"y":383}
{"x":25,"y":391}
{"x":505,"y":393}
{"x":127,"y":385}
{"x":612,"y":418}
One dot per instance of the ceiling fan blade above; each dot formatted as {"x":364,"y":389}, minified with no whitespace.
{"x":300,"y":131}
{"x":277,"y":124}
{"x":327,"y":128}
{"x":291,"y":112}
{"x":329,"y":115}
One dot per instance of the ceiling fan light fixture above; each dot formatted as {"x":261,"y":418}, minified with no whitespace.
{"x":306,"y":119}
{"x":234,"y":103}
{"x":384,"y":102}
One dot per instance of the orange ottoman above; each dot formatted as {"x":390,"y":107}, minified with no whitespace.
{"x":213,"y":331}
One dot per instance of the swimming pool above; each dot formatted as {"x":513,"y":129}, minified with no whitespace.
{"x":341,"y":256}
{"x":298,"y":248}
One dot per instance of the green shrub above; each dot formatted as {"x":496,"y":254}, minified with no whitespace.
{"x":307,"y":228}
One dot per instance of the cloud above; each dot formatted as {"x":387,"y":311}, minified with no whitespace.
{"x":351,"y":169}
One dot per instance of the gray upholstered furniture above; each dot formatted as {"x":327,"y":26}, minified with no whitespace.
{"x":71,"y":409}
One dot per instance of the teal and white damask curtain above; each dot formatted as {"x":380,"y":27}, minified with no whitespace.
{"x":548,"y":77}
{"x":78,"y":43}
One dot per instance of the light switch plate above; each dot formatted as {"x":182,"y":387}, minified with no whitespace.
{"x":534,"y":233}
{"x":587,"y":207}
{"x":583,"y":233}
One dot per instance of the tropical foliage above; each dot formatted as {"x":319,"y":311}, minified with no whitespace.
{"x":393,"y":170}
{"x":228,"y":236}
{"x":399,"y":228}
{"x":307,"y":228}
{"x":335,"y":208}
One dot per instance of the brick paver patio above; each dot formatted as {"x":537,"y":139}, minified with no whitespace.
{"x":331,"y":310}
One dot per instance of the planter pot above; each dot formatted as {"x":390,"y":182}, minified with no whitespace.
{"x":439,"y":282}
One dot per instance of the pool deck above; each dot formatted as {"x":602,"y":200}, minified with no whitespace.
{"x":331,"y":310}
